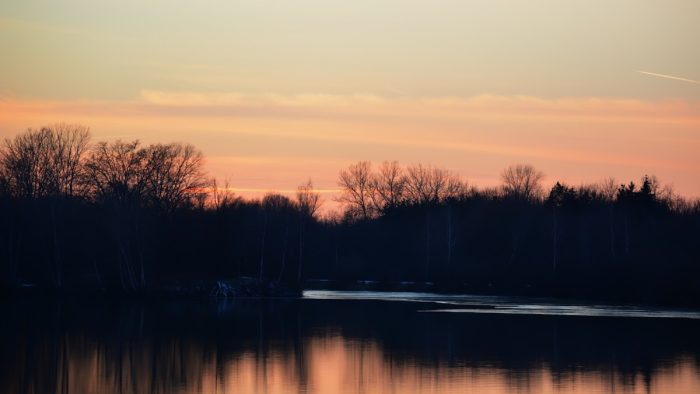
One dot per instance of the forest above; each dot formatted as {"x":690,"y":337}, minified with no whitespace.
{"x":122,"y":217}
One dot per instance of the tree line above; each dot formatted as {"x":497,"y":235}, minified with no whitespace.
{"x":422,"y":224}
{"x":127,"y":217}
{"x":123,"y":216}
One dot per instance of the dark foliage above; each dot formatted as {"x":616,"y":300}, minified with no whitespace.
{"x":121,"y":217}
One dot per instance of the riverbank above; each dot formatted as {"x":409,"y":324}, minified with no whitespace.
{"x":243,"y":287}
{"x":248,"y":287}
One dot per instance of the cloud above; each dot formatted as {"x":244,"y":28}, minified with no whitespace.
{"x":372,"y":107}
{"x":155,"y":103}
{"x":233,"y":99}
{"x":668,"y":77}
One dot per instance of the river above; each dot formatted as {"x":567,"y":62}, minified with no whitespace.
{"x":346,"y":342}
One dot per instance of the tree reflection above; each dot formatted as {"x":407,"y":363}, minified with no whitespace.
{"x":334,"y":347}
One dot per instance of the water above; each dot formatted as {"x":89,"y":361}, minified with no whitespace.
{"x":508,"y":305}
{"x":335,"y":342}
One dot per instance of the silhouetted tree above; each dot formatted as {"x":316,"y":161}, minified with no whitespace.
{"x":221,"y":197}
{"x":356,"y":192}
{"x":164,"y":176}
{"x":44,"y":162}
{"x":522,"y":181}
{"x":308,"y":202}
{"x":124,"y":216}
{"x":174,"y":175}
{"x":274,"y":206}
{"x":388,"y":187}
{"x":116,"y":172}
{"x":428,"y":186}
{"x":607,"y":190}
{"x":560,"y":195}
{"x":431,"y":185}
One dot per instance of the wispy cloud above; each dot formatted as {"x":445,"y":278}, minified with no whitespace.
{"x":354,"y":107}
{"x":668,"y":76}
{"x":234,"y":99}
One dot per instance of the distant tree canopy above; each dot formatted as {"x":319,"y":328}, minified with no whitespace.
{"x":308,"y":200}
{"x":166,"y":176}
{"x":522,"y":181}
{"x":57,"y":161}
{"x":130,"y":217}
{"x":367,"y":194}
{"x":45,"y":162}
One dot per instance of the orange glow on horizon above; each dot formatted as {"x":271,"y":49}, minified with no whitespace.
{"x":261,"y":143}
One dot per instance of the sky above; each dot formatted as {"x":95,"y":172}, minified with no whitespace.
{"x":277,"y":92}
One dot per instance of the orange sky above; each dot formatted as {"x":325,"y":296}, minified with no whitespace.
{"x":275,"y":93}
{"x":271,"y":142}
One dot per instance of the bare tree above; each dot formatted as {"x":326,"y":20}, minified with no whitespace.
{"x":221,"y":197}
{"x":446,"y":185}
{"x":115,"y":172}
{"x":522,"y":181}
{"x":271,"y":204}
{"x":175,"y":175}
{"x":71,"y":144}
{"x":44,"y":162}
{"x":356,"y":183}
{"x":388,"y":186}
{"x":308,"y":202}
{"x":431,"y":185}
{"x":418,"y":189}
{"x":23,"y":166}
{"x":607,"y":188}
{"x":166,"y":176}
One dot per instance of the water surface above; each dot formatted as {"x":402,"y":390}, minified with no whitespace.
{"x":333,"y":342}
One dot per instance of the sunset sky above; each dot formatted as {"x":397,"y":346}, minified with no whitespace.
{"x":275,"y":92}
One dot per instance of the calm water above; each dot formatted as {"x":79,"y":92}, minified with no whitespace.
{"x":332,"y":342}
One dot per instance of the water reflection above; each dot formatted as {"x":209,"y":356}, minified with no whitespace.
{"x":334,"y":346}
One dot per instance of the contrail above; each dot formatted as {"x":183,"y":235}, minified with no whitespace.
{"x":668,"y":76}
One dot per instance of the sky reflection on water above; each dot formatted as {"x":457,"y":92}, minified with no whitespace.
{"x":335,"y":346}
